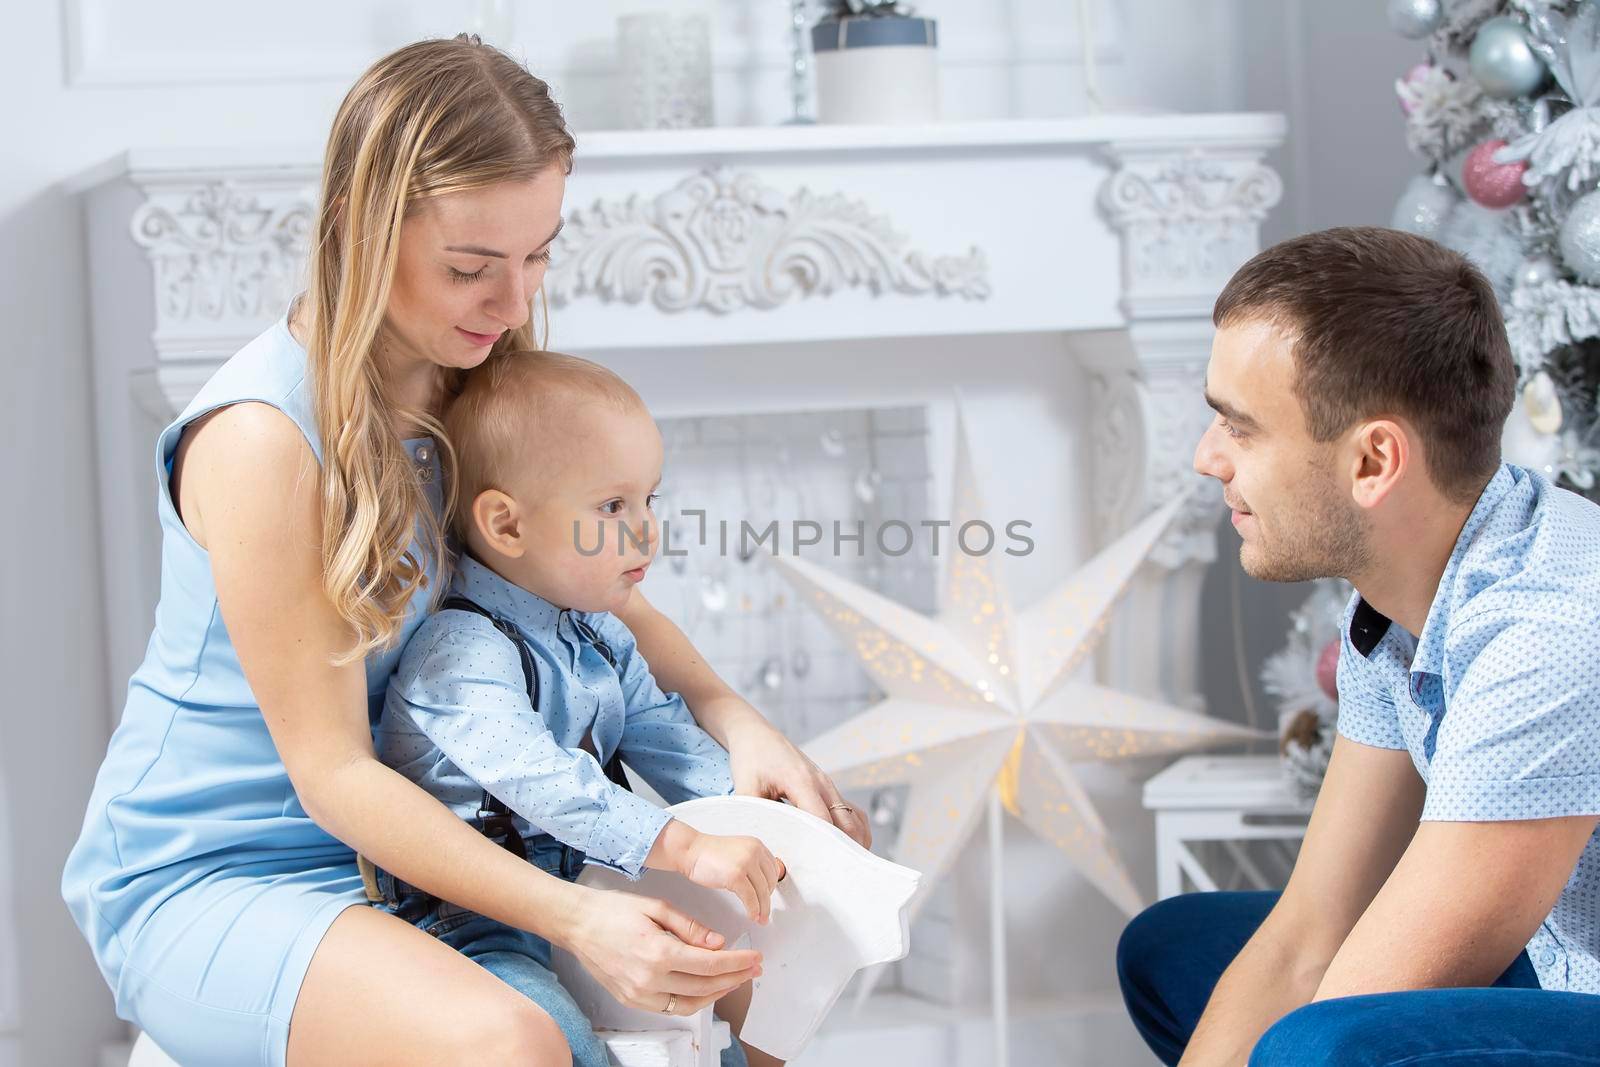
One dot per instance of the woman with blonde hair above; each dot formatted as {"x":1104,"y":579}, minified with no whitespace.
{"x":301,"y":498}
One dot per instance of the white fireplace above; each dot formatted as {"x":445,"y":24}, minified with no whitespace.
{"x":1055,"y":275}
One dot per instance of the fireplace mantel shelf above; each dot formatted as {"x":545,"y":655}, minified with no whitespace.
{"x":1241,"y":130}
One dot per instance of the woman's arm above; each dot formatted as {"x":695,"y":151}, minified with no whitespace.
{"x":678,"y":668}
{"x":249,"y":490}
{"x":249,"y":494}
{"x":764,"y":762}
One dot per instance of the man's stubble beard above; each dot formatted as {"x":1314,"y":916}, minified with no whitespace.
{"x":1328,"y":539}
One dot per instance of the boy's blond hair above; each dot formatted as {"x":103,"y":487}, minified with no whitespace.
{"x":513,"y":416}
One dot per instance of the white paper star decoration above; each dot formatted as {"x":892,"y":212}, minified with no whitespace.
{"x":983,"y":697}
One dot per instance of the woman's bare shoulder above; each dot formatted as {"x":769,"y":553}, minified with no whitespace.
{"x":248,"y":455}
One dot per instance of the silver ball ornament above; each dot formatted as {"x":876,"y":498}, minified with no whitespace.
{"x":1425,"y":204}
{"x":1579,"y":239}
{"x":1502,"y":61}
{"x":1415,"y":18}
{"x":1537,"y":271}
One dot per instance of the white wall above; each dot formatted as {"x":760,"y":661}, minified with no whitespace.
{"x":177,"y":73}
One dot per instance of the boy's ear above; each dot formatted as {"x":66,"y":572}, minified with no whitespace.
{"x":498,"y":521}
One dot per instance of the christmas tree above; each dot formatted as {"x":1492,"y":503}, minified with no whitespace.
{"x":1506,"y":111}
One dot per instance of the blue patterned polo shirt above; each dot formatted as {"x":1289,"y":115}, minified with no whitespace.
{"x":1498,"y":699}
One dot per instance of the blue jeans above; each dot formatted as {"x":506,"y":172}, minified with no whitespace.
{"x":1171,"y":955}
{"x":516,"y":957}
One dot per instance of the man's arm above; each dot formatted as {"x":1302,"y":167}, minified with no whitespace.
{"x":1463,"y":901}
{"x":1513,"y":792}
{"x":1364,"y":818}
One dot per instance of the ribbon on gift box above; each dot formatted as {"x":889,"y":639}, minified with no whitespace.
{"x":874,"y":30}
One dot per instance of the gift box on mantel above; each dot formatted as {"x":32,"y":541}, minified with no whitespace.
{"x":879,"y":67}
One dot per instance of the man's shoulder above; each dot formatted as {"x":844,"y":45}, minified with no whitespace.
{"x":1536,"y":555}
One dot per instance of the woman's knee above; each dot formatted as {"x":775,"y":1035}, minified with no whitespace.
{"x":516,"y":1032}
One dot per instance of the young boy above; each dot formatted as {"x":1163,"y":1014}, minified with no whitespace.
{"x":513,"y":702}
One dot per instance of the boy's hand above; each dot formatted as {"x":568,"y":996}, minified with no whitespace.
{"x":741,"y":865}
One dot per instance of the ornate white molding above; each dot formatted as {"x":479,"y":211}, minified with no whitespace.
{"x":1144,"y":429}
{"x":221,"y":253}
{"x":1176,"y":425}
{"x":723,"y":242}
{"x":1117,"y":448}
{"x":1188,"y":222}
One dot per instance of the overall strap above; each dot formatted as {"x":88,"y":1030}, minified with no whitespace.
{"x":494,"y":818}
{"x":595,"y":639}
{"x":491,"y":805}
{"x":614,"y":764}
{"x":530,"y":676}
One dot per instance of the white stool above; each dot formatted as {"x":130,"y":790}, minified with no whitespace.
{"x":1232,"y":801}
{"x":839,"y":908}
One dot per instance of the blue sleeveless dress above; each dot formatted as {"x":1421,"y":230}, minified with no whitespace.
{"x":200,"y":882}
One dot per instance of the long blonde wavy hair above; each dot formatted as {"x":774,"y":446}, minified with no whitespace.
{"x":432,"y":118}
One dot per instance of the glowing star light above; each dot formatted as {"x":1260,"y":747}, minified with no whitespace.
{"x":983,"y":698}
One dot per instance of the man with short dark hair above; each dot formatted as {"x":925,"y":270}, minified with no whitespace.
{"x":1445,"y":906}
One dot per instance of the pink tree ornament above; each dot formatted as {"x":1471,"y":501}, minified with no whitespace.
{"x":1328,"y":669}
{"x":1491,"y":184}
{"x":1411,"y":77}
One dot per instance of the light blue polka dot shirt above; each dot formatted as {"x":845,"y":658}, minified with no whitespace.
{"x":457,"y":721}
{"x":1498,"y":699}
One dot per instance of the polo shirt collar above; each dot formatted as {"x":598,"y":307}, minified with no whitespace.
{"x":1368,"y":625}
{"x":1429,"y":657}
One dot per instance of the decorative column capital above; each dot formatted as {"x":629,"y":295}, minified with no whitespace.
{"x":1189,"y":217}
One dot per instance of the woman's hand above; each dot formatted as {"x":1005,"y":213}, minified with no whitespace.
{"x":767,"y":764}
{"x":649,"y":955}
